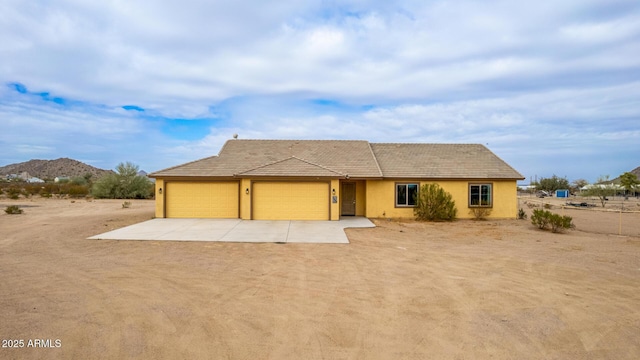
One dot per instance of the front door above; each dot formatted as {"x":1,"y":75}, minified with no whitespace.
{"x":348,"y":194}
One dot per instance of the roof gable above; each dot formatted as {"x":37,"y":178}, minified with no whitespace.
{"x":292,"y":166}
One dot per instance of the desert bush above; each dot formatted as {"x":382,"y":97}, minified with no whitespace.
{"x":77,"y":190}
{"x":13,"y":192}
{"x":126,"y":204}
{"x":560,"y":223}
{"x":540,"y":218}
{"x":13,"y":210}
{"x":434,"y":204}
{"x":78,"y":180}
{"x":522,"y":215}
{"x":547,"y":206}
{"x":480,"y":213}
{"x":125,"y":184}
{"x":544,"y":219}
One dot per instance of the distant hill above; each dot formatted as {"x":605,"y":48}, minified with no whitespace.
{"x":49,"y":169}
{"x":635,"y":171}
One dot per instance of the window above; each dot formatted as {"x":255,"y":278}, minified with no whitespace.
{"x":480,"y":195}
{"x":406,"y":194}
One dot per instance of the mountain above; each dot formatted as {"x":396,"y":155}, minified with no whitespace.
{"x":635,"y":171}
{"x":50,"y":169}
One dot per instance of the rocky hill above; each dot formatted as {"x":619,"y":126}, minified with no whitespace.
{"x":635,"y":171}
{"x":49,"y":169}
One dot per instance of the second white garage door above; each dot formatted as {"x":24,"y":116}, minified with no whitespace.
{"x":290,"y":201}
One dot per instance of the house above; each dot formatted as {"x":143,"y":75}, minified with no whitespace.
{"x":327,"y":179}
{"x":35,"y":180}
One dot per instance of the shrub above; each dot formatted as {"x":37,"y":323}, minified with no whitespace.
{"x":13,"y":192}
{"x":560,"y":223}
{"x":434,"y":204}
{"x":544,"y":219}
{"x":77,"y":190}
{"x":480,"y":213}
{"x":13,"y":210}
{"x":540,"y":218}
{"x":126,"y":204}
{"x":522,"y":215}
{"x":125,"y":184}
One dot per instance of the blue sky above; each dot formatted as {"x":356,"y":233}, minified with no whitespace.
{"x":551,"y":87}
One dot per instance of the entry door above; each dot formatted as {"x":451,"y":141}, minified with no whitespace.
{"x":348,"y":195}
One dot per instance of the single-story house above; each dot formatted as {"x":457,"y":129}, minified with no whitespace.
{"x":327,"y":179}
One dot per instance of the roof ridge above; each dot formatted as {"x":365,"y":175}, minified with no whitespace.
{"x":419,"y":143}
{"x":289,"y":158}
{"x":375,"y":159}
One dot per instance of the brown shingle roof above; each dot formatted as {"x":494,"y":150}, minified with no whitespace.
{"x":452,"y":161}
{"x":348,"y":157}
{"x":339,"y":158}
{"x":290,"y":166}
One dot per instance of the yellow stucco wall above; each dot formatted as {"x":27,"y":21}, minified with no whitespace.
{"x":335,"y":206}
{"x":361,"y":198}
{"x":159,"y":198}
{"x":245,"y":199}
{"x":380,"y":196}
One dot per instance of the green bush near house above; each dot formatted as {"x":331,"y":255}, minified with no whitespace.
{"x":480,"y":213}
{"x":434,"y":204}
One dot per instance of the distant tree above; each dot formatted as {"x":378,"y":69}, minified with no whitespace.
{"x":629,"y":181}
{"x":87,"y":177}
{"x":552,"y":184}
{"x":601,"y":189}
{"x":78,"y":180}
{"x":578,"y":184}
{"x":124,"y":184}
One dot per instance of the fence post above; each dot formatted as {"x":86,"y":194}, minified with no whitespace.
{"x":620,"y":226}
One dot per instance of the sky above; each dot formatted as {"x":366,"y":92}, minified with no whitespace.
{"x":551,"y":87}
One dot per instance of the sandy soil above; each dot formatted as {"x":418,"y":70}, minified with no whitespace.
{"x":404,"y":290}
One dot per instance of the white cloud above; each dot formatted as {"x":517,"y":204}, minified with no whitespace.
{"x":462,"y":71}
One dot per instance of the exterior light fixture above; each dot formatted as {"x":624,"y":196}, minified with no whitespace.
{"x":333,"y":191}
{"x":160,"y":191}
{"x":247,"y":191}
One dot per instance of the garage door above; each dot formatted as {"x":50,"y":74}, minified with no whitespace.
{"x":190,"y":199}
{"x":290,"y":201}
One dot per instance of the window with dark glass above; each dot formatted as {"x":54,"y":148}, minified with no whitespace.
{"x":480,"y":195}
{"x":406,"y":194}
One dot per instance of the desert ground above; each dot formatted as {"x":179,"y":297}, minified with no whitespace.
{"x":497,"y":289}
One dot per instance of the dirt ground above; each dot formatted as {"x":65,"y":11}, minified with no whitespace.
{"x":404,"y":290}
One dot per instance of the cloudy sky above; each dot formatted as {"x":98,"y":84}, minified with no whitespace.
{"x":552,"y":87}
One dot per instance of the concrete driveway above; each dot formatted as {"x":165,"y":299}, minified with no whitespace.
{"x":236,"y":230}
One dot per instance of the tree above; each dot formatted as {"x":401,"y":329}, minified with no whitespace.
{"x":578,"y":184}
{"x":629,"y":181}
{"x":434,"y":204}
{"x":552,"y":184}
{"x":601,"y":189}
{"x":124,"y":184}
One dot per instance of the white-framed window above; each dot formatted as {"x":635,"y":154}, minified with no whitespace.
{"x":406,"y":194}
{"x":480,"y":195}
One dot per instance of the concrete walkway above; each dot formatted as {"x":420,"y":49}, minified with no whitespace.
{"x":236,"y":230}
